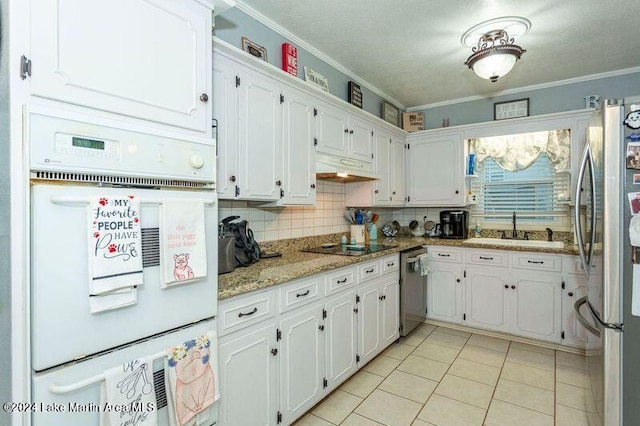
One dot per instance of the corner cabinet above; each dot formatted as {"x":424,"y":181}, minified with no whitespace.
{"x":435,"y":169}
{"x":389,"y":164}
{"x":79,"y":59}
{"x":265,"y":136}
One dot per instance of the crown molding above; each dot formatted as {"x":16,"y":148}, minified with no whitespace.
{"x":527,"y":88}
{"x":311,"y":49}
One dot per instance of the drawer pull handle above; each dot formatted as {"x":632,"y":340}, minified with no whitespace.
{"x":444,"y":255}
{"x":486,"y":258}
{"x":302,"y":294}
{"x":368,"y":271}
{"x":390,"y":264}
{"x":342,"y":281}
{"x":537,"y":262}
{"x":242,"y":314}
{"x":513,"y":287}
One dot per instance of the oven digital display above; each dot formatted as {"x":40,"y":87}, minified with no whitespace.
{"x":87,"y":143}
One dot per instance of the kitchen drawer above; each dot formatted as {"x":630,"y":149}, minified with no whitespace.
{"x":340,"y":279}
{"x":243,"y":311}
{"x":538,"y":262}
{"x":300,"y":292}
{"x":368,"y":271}
{"x":390,"y":264}
{"x":444,"y":254}
{"x":487,"y":257}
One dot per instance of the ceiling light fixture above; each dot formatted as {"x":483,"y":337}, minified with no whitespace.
{"x":494,"y":52}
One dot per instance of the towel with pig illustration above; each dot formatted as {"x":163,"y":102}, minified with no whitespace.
{"x":191,"y":381}
{"x":182,"y":241}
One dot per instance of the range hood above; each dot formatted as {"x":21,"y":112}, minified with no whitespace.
{"x":339,"y":169}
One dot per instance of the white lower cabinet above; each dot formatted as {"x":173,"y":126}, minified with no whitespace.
{"x":524,"y":294}
{"x":302,"y":361}
{"x":444,"y":292}
{"x":536,"y":305}
{"x":248,"y":377}
{"x":273,"y":368}
{"x":341,"y":338}
{"x":486,"y":294}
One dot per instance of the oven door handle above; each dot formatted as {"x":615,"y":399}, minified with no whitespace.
{"x":84,"y":200}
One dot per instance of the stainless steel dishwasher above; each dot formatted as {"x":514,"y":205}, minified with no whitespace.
{"x":413,"y":290}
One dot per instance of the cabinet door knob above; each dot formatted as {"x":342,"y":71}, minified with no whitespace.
{"x":204,"y":98}
{"x":380,"y":297}
{"x":274,"y":351}
{"x":232,"y":178}
{"x":513,"y":287}
{"x":375,"y":192}
{"x":570,"y":294}
{"x":355,"y":310}
{"x":457,"y":192}
{"x":278,"y":182}
{"x":458,"y":280}
{"x":313,"y":186}
{"x":346,"y":130}
{"x":394,"y":192}
{"x":321,"y":327}
{"x":506,"y":286}
{"x":351,"y":131}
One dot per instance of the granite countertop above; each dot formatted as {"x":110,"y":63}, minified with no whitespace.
{"x":296,"y":264}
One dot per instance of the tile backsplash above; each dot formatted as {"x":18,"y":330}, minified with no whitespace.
{"x":325,"y":217}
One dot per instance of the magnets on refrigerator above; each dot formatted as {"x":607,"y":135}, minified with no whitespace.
{"x":633,"y":118}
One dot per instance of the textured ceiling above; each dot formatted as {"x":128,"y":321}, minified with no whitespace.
{"x":410,"y":50}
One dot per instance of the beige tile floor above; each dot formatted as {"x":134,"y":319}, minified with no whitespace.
{"x":445,"y":377}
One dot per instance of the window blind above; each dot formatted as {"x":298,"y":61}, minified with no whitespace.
{"x":536,"y":193}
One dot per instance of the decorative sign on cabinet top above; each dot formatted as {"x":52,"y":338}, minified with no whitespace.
{"x":316,"y":79}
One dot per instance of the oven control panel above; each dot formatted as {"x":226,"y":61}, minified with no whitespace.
{"x":63,"y":140}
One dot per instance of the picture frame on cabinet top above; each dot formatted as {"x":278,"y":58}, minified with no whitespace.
{"x":254,"y":49}
{"x":390,"y":113}
{"x":511,"y":109}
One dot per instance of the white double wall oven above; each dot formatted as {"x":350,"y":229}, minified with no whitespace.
{"x":76,"y":156}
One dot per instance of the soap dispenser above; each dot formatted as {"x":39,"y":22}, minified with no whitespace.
{"x":476,"y":230}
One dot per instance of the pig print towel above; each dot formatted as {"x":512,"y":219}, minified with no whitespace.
{"x":115,"y":252}
{"x":182,"y":241}
{"x":190,"y":380}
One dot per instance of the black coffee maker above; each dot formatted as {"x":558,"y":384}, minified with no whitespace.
{"x":454,"y":224}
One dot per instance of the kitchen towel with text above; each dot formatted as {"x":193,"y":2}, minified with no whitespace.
{"x":191,"y":380}
{"x":128,"y":396}
{"x":182,"y":241}
{"x":115,"y":261}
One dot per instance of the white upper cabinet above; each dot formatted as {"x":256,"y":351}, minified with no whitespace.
{"x":299,"y":172}
{"x":343,"y":134}
{"x":436,"y":170}
{"x":260,"y":136}
{"x":331,"y":125}
{"x":148,"y":59}
{"x":225,"y":117}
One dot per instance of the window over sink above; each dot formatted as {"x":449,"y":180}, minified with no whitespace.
{"x":528,"y":174}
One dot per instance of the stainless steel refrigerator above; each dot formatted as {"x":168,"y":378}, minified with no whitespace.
{"x":602,"y":215}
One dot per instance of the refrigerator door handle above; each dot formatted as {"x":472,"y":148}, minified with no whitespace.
{"x":582,"y":320}
{"x":576,"y":210}
{"x":592,"y":187}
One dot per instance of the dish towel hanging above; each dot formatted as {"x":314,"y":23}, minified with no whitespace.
{"x":421,"y":264}
{"x":191,"y":380}
{"x":115,"y":248}
{"x":634,"y":239}
{"x":182,"y":241}
{"x":127,"y":395}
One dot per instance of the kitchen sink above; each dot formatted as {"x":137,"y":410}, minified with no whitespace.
{"x":516,"y":243}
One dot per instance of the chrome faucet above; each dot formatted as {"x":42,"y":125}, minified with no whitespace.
{"x":514,"y":233}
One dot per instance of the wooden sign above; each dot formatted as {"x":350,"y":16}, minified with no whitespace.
{"x":316,"y":79}
{"x":355,"y":94}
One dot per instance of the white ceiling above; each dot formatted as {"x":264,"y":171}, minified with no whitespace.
{"x":410,"y":50}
